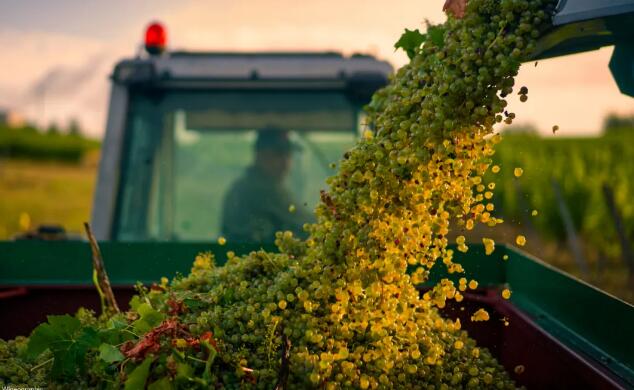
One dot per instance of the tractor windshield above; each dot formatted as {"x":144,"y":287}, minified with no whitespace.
{"x":201,"y":165}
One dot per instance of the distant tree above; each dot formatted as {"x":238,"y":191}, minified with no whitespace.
{"x":30,"y":128}
{"x":52,"y":128}
{"x":74,"y":128}
{"x":616,"y":123}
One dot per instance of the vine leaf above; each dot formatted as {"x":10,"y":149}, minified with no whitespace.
{"x":137,"y":378}
{"x":456,"y":8}
{"x":161,"y":384}
{"x":67,"y":340}
{"x":109,"y":353}
{"x":437,"y":35}
{"x":149,"y":318}
{"x":410,"y":42}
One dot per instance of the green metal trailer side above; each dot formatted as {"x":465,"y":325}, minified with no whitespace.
{"x":586,"y":321}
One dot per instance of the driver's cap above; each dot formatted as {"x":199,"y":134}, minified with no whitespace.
{"x":275,"y":139}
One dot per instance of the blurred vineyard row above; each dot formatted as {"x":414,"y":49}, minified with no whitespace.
{"x":587,"y":183}
{"x":29,"y":143}
{"x":581,"y":167}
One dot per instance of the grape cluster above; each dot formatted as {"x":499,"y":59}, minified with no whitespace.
{"x":343,"y":298}
{"x":16,"y":371}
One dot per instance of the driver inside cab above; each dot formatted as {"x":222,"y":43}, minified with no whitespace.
{"x":257,"y":203}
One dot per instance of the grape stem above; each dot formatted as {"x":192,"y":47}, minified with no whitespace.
{"x":497,"y":36}
{"x":284,"y":368}
{"x":99,"y":273}
{"x":41,"y":364}
{"x":95,"y":281}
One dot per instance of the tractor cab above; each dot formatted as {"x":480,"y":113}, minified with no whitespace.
{"x":203,"y":145}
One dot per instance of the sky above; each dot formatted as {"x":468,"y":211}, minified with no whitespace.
{"x":56,"y":56}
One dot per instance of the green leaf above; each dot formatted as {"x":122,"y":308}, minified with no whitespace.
{"x":135,"y":302}
{"x":149,"y":318}
{"x":137,"y":378}
{"x":69,"y":354}
{"x":184,"y":370}
{"x":115,"y":332}
{"x":437,"y":35}
{"x":410,"y":42}
{"x":141,"y":326}
{"x":109,"y":353}
{"x":40,"y":340}
{"x":89,"y":337}
{"x":64,"y":323}
{"x":161,"y":384}
{"x":115,"y":323}
{"x":112,"y":336}
{"x":46,"y":335}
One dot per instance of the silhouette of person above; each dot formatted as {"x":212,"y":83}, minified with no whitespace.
{"x":257,"y":203}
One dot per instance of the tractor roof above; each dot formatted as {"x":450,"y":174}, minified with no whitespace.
{"x":197,"y":68}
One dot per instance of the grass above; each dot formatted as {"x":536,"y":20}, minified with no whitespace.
{"x":35,"y":193}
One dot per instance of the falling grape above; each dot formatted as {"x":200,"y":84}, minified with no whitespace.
{"x":480,"y":315}
{"x":520,"y":240}
{"x":489,"y":245}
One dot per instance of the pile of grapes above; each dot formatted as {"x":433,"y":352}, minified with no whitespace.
{"x":337,"y":310}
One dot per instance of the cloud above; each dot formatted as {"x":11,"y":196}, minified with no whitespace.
{"x":64,"y":81}
{"x":27,"y":55}
{"x":66,"y":92}
{"x":52,"y":77}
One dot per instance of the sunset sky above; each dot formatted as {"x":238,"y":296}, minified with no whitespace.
{"x":55,"y":56}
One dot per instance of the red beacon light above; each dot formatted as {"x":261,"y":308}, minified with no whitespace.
{"x":155,"y":38}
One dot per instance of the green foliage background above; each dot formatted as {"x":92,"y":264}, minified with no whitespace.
{"x":581,"y":166}
{"x":29,"y":143}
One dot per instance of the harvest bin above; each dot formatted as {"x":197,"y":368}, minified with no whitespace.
{"x":564,"y":332}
